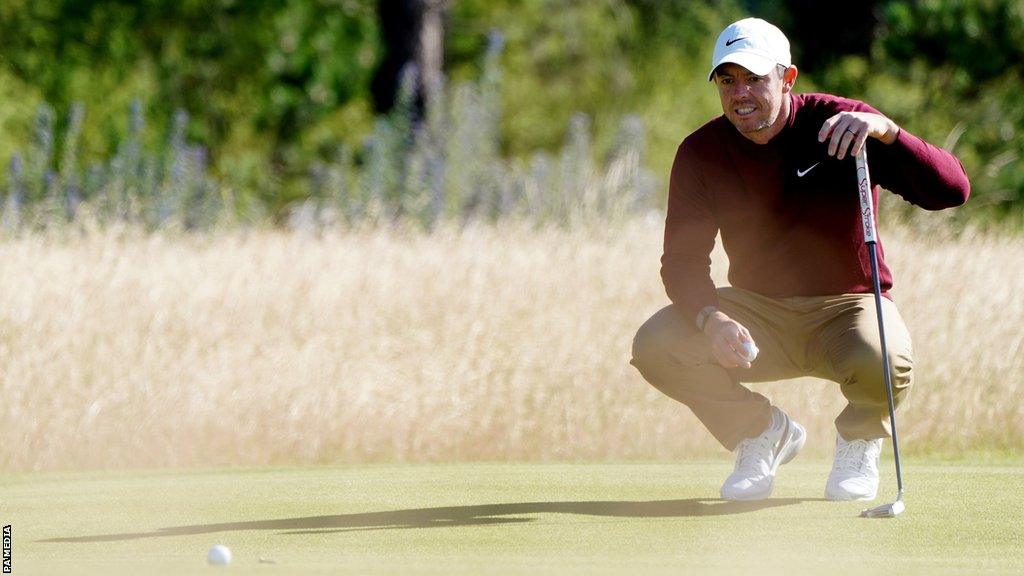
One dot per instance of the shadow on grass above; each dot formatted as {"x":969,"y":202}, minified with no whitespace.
{"x":452,"y":516}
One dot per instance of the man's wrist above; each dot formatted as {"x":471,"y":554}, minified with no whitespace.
{"x":714,"y":319}
{"x":892,"y":132}
{"x":703,"y":315}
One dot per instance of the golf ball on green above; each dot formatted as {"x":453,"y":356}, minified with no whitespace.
{"x":218,"y":555}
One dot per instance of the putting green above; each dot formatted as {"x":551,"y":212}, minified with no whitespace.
{"x":510,"y":518}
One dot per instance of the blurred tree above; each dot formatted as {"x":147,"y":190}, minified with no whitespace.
{"x":955,"y":69}
{"x":820,"y":33}
{"x":560,"y":57}
{"x":413,"y":34}
{"x":273,"y":86}
{"x":985,"y":38}
{"x":262,"y":78}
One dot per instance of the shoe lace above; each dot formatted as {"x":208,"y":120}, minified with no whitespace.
{"x":752,"y":454}
{"x":854,"y":455}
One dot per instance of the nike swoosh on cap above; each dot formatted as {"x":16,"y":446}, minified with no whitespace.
{"x":801,"y":173}
{"x":734,"y":40}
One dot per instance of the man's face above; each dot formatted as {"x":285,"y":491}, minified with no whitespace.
{"x":754,"y":103}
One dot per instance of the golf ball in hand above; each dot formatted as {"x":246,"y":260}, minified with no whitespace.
{"x":219,"y":555}
{"x":747,"y":350}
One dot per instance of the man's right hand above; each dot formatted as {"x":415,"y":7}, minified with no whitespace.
{"x":726,"y":336}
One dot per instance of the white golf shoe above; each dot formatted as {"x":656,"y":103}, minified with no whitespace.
{"x":854,"y":473}
{"x":757,"y":459}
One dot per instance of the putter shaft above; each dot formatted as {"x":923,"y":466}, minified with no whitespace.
{"x":870,"y":238}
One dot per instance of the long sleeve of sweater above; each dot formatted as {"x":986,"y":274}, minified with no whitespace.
{"x":924,"y":175}
{"x":690,"y":231}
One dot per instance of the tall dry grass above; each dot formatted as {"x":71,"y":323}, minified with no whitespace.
{"x":487,"y":342}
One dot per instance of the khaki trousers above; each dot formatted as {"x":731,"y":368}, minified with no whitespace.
{"x":830,"y":337}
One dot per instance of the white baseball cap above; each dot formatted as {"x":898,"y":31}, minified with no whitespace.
{"x":752,"y":43}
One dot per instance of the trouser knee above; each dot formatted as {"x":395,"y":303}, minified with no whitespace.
{"x":650,"y":351}
{"x":864,"y":382}
{"x":662,"y":348}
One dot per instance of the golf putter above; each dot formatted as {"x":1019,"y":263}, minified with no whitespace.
{"x":867,"y":213}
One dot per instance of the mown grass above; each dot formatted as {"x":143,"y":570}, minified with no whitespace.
{"x":616,"y":518}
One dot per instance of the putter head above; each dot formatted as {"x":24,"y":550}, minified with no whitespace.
{"x":885,"y":510}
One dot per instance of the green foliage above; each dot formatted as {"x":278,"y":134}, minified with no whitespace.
{"x":450,"y":167}
{"x":261,"y":79}
{"x":980,"y":37}
{"x":608,"y":59}
{"x":278,"y":90}
{"x":951,"y":72}
{"x":562,"y":58}
{"x":447,"y":167}
{"x":153,"y":187}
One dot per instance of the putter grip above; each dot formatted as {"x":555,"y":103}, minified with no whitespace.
{"x":867,"y":206}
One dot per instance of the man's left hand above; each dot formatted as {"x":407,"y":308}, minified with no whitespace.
{"x":848,"y":131}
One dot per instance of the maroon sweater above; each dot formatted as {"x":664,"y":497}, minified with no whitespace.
{"x":789,"y":229}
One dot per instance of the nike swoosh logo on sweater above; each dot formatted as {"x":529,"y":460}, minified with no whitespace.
{"x":801,"y":173}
